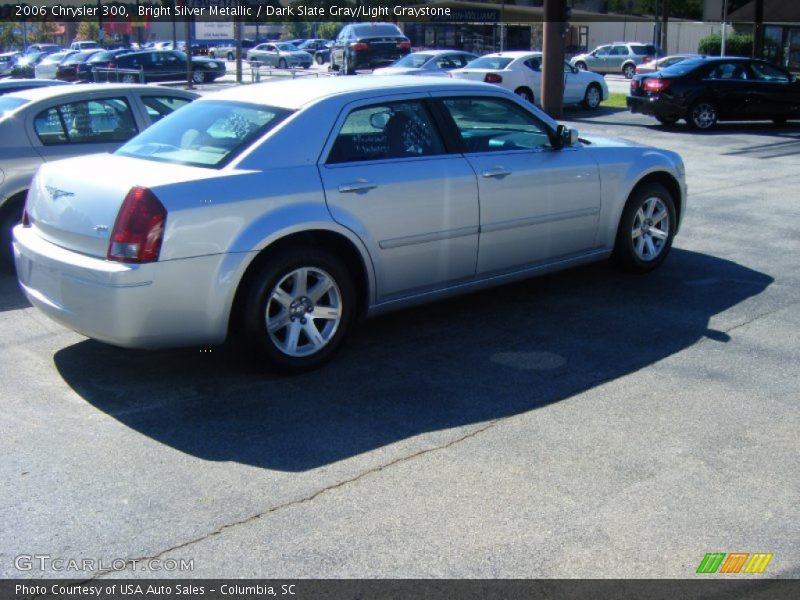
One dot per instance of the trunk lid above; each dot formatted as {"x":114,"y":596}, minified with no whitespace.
{"x":473,"y":74}
{"x":73,"y":203}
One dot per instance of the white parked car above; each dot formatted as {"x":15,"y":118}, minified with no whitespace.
{"x":521,"y":73}
{"x":49,"y":123}
{"x":282,"y":211}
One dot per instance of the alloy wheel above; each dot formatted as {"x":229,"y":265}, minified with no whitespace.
{"x":303,"y":312}
{"x":593,"y":97}
{"x":650,"y":230}
{"x":704,"y":115}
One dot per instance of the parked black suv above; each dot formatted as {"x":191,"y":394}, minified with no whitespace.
{"x":366,"y":46}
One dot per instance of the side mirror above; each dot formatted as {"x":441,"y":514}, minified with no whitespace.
{"x":380,"y":119}
{"x":565,"y":137}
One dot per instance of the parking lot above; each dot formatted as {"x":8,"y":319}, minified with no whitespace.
{"x":583,"y":424}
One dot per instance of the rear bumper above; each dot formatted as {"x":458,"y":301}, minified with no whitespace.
{"x":154,"y":305}
{"x":655,"y":106}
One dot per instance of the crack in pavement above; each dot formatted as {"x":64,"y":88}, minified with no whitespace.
{"x":292,"y":503}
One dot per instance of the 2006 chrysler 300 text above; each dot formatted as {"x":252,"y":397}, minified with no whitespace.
{"x":284,"y":210}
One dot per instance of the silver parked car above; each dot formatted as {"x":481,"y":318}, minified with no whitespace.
{"x":49,"y":123}
{"x":279,"y":54}
{"x":282,"y":211}
{"x":619,"y":57}
{"x":428,"y":62}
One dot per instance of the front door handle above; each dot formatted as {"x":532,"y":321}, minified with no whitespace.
{"x":497,"y":172}
{"x":359,"y":186}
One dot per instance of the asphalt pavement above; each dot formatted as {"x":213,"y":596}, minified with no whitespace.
{"x":583,"y":424}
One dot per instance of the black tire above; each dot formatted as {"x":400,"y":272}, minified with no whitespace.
{"x":282,"y":63}
{"x":129,"y":78}
{"x":198,"y":77}
{"x":592,"y":97}
{"x":702,"y":115}
{"x":667,"y":121}
{"x":231,"y":56}
{"x":345,"y":68}
{"x":259,"y":304}
{"x":319,"y":59}
{"x":625,"y":253}
{"x":525,"y":93}
{"x":10,"y":216}
{"x":629,"y":70}
{"x":581,"y":65}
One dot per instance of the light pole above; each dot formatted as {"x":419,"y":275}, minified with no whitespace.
{"x":724,"y":18}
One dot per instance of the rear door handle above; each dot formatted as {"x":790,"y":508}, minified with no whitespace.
{"x":359,"y":186}
{"x":497,"y":172}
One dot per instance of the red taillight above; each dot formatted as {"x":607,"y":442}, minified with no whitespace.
{"x":656,"y":85}
{"x":646,"y":59}
{"x":139,"y":228}
{"x":359,"y":46}
{"x":493,"y":78}
{"x":404,"y":45}
{"x":110,"y":65}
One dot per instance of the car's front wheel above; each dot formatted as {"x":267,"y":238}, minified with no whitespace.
{"x":581,"y":65}
{"x":593,"y":96}
{"x":320,"y":59}
{"x":231,"y":56}
{"x":282,"y":63}
{"x":198,"y":77}
{"x":299,"y":308}
{"x":702,"y":115}
{"x":646,"y":229}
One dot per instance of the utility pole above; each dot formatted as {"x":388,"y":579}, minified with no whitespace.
{"x":724,"y":19}
{"x":555,"y":23}
{"x":665,"y":22}
{"x":238,"y":27}
{"x":187,"y":31}
{"x":758,"y":30}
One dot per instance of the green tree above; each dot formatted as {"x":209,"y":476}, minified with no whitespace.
{"x":8,"y":39}
{"x":329,"y":29}
{"x":46,"y":32}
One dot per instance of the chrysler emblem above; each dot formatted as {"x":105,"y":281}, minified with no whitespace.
{"x":56,"y":193}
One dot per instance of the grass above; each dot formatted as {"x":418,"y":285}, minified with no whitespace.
{"x":615,"y":100}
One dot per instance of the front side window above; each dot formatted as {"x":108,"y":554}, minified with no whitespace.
{"x":205,"y":134}
{"x":492,"y":125}
{"x":386,"y":131}
{"x":602,"y":51}
{"x":88,"y":121}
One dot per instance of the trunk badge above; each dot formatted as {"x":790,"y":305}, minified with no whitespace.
{"x":56,"y":193}
{"x":100,"y":228}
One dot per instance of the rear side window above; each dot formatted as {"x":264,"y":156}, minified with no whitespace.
{"x":159,"y":107}
{"x":386,"y":131}
{"x":88,"y":121}
{"x":643,"y":50}
{"x":490,"y":62}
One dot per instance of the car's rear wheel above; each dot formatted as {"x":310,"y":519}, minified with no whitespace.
{"x":629,"y":71}
{"x":319,"y":59}
{"x":231,"y":56}
{"x":582,"y":66}
{"x":593,"y":96}
{"x":129,"y":78}
{"x":299,"y":308}
{"x":346,"y":68}
{"x":525,"y":93}
{"x":198,"y":77}
{"x":702,"y":115}
{"x":646,"y":229}
{"x":282,"y":63}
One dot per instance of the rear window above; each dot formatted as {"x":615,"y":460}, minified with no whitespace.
{"x":490,"y":62}
{"x":644,"y":50}
{"x":683,"y":67}
{"x":205,"y":134}
{"x":363,"y":31}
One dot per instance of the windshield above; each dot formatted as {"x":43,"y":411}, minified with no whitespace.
{"x":8,"y":104}
{"x":57,"y":57}
{"x":683,"y":67}
{"x":413,"y":61}
{"x":364,"y":31}
{"x":204,"y":134}
{"x":489,"y":62}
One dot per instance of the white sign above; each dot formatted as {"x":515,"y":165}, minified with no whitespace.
{"x":217,"y":30}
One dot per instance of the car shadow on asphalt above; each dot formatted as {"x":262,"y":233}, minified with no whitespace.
{"x":11,"y":296}
{"x":464,"y":361}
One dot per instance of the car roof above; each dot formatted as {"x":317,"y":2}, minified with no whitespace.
{"x":59,"y":91}
{"x":30,"y":83}
{"x":514,"y":53}
{"x":296,"y":93}
{"x":437,"y":51}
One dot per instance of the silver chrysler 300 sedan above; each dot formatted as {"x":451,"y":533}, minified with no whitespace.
{"x":282,"y":211}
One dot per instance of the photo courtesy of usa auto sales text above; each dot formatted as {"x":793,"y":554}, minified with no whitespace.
{"x":26,"y":591}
